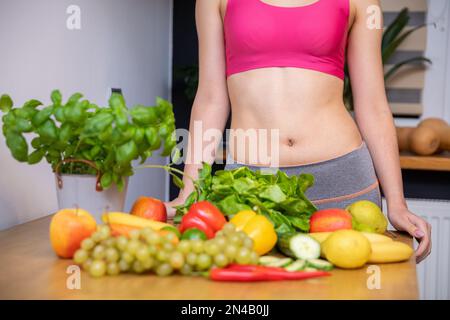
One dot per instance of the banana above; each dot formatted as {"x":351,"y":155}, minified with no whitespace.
{"x":132,"y":221}
{"x":372,"y":237}
{"x":393,"y":251}
{"x":376,"y":237}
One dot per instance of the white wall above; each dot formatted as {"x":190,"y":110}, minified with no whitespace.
{"x":436,"y":93}
{"x":122,"y":43}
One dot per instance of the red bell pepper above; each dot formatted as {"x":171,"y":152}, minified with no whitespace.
{"x":204,"y":216}
{"x":249,"y":273}
{"x":190,"y":220}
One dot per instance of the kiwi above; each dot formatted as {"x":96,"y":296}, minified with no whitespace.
{"x":424,"y":140}
{"x":403,"y":134}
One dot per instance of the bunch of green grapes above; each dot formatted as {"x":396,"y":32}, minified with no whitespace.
{"x":148,"y":251}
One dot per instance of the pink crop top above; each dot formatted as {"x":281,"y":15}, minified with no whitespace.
{"x":262,"y":35}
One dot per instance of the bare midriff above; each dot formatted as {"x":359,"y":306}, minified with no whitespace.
{"x":304,"y":107}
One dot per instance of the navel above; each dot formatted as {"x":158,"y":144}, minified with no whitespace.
{"x":290,"y":142}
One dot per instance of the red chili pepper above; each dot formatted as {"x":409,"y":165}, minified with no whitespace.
{"x":217,"y":274}
{"x":205,"y":216}
{"x":261,"y":273}
{"x":299,"y":275}
{"x":252,"y":267}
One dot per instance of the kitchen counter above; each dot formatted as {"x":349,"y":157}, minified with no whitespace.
{"x":30,"y":270}
{"x":437,"y":162}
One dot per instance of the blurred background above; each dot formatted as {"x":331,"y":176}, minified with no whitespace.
{"x":120,"y":44}
{"x":148,"y":48}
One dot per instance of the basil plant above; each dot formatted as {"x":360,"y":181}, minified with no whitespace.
{"x":108,"y":138}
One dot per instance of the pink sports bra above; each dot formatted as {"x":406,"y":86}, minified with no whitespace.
{"x":262,"y":35}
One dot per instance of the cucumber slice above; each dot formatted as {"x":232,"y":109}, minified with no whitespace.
{"x":297,"y":265}
{"x":264,"y":260}
{"x":320,"y":264}
{"x":299,"y":246}
{"x":309,"y":269}
{"x":280,"y":263}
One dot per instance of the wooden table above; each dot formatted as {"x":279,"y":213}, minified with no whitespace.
{"x":30,"y":270}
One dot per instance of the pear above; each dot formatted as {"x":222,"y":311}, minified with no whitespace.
{"x":367,"y":216}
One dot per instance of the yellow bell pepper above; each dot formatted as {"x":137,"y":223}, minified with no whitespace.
{"x":258,"y":228}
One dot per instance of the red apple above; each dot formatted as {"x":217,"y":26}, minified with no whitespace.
{"x":68,"y":228}
{"x":328,"y":220}
{"x":149,"y":208}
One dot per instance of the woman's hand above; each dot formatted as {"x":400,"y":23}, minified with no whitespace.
{"x":404,"y":220}
{"x":171,"y":204}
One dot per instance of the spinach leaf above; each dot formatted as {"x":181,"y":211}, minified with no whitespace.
{"x":273,"y":193}
{"x":243,"y":184}
{"x":279,"y":197}
{"x":231,"y":205}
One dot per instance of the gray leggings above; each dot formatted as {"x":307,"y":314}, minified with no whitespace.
{"x":339,"y":181}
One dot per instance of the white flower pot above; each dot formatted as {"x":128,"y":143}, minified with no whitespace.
{"x":81,"y":191}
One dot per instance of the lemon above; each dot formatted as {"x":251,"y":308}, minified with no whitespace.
{"x":347,"y":249}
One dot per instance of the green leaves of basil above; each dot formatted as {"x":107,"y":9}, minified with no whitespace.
{"x":5,"y":103}
{"x":142,"y":115}
{"x":110,"y":136}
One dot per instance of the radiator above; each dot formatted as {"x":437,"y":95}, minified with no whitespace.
{"x":433,"y":273}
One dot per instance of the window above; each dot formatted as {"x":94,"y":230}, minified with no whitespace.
{"x":404,"y":88}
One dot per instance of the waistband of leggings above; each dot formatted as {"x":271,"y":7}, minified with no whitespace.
{"x":361,"y":149}
{"x":349,"y":196}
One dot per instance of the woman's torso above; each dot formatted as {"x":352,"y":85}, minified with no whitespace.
{"x":304,"y":105}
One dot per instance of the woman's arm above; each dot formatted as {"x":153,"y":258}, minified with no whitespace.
{"x":375,"y":121}
{"x":211,"y":104}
